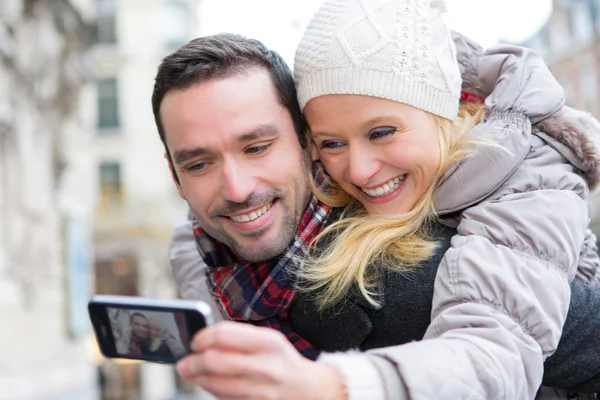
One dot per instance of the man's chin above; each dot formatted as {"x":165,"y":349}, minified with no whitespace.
{"x":270,"y":240}
{"x":259,"y":252}
{"x":265,"y":247}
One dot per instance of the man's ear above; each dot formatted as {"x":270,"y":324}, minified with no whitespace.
{"x":314,"y":152}
{"x":313,"y":149}
{"x":174,"y":176}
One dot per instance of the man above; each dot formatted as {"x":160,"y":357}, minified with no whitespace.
{"x":139,"y":334}
{"x":234,"y":139}
{"x":226,"y":113}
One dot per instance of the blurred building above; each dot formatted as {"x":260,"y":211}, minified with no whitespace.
{"x":45,"y":204}
{"x":137,"y":204}
{"x":570,"y":44}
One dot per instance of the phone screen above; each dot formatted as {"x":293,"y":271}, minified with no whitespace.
{"x":149,"y":335}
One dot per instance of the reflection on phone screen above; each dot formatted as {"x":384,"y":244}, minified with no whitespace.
{"x":149,"y":335}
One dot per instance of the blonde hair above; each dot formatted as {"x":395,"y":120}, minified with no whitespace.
{"x":401,"y":242}
{"x":155,"y":342}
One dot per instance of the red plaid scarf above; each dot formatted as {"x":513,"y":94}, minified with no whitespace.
{"x":134,"y":347}
{"x":261,"y":293}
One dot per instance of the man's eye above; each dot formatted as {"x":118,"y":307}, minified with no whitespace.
{"x":197,"y":167}
{"x":381,"y":132}
{"x":331,"y":144}
{"x":257,"y":149}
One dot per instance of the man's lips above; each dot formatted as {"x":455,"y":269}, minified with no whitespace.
{"x":251,"y":215}
{"x":256,"y":224}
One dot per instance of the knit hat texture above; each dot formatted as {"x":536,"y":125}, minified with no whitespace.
{"x":399,"y":50}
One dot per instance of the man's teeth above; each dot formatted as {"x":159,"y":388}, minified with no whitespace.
{"x":386,"y":188}
{"x":251,"y":216}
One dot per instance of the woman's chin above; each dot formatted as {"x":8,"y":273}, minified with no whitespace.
{"x":385,"y":210}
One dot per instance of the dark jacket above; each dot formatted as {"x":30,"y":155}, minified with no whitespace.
{"x":404,"y":315}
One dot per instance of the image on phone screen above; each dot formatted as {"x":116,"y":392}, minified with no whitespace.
{"x":149,"y":335}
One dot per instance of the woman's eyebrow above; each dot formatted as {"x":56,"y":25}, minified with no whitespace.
{"x":321,"y":133}
{"x":385,"y":119}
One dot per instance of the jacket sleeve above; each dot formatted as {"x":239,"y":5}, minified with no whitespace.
{"x":500,"y":297}
{"x":189,"y":269}
{"x":175,"y":346}
{"x":588,"y":271}
{"x":576,"y":363}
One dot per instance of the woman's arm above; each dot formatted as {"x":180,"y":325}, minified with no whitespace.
{"x":174,"y":345}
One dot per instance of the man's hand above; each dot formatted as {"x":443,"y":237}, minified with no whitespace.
{"x":233,"y":360}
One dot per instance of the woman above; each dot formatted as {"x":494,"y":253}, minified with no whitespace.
{"x":162,"y":344}
{"x":157,"y":346}
{"x":501,"y":293}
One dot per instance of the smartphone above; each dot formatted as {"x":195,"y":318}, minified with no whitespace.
{"x":138,"y":328}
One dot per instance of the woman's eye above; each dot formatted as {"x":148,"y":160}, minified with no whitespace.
{"x":381,"y":132}
{"x":257,"y":149}
{"x":331,"y":144}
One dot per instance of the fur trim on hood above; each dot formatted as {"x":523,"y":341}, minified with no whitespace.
{"x":580,"y":132}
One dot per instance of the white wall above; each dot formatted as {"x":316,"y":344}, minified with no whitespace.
{"x":39,"y":359}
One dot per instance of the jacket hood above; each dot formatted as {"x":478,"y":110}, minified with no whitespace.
{"x":522,"y":98}
{"x":578,"y":136}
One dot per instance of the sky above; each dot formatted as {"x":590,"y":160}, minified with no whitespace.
{"x":280,"y":23}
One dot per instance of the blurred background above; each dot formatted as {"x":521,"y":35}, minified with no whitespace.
{"x":86,"y":200}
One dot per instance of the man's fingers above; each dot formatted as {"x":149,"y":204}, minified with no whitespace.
{"x":225,"y":363}
{"x":237,"y":336}
{"x":227,"y":375}
{"x":234,"y":388}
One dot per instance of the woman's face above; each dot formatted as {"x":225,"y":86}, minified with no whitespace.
{"x":384,"y":153}
{"x":155,"y":331}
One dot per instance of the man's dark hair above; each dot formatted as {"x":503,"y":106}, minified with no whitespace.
{"x":137,"y":314}
{"x":220,"y":56}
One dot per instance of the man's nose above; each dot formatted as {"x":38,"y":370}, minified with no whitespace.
{"x":363,"y":165}
{"x":238,"y":182}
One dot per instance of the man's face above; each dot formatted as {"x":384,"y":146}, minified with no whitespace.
{"x":139,"y":327}
{"x":238,"y":160}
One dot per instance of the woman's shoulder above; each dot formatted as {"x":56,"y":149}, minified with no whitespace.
{"x":506,"y":143}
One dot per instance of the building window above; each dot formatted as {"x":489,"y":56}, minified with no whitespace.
{"x":108,"y":104}
{"x":111,"y":188}
{"x":560,"y":35}
{"x":582,"y":22}
{"x":587,"y":86}
{"x":106,"y":20}
{"x":566,"y":85}
{"x":595,"y":14}
{"x":177,"y":24}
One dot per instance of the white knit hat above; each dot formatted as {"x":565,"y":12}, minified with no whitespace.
{"x":393,"y":49}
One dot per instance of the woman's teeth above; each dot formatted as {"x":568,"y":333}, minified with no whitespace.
{"x":253,"y":215}
{"x":386,"y":188}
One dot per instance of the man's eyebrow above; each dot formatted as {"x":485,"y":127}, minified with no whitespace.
{"x":184,"y":155}
{"x":260,"y":132}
